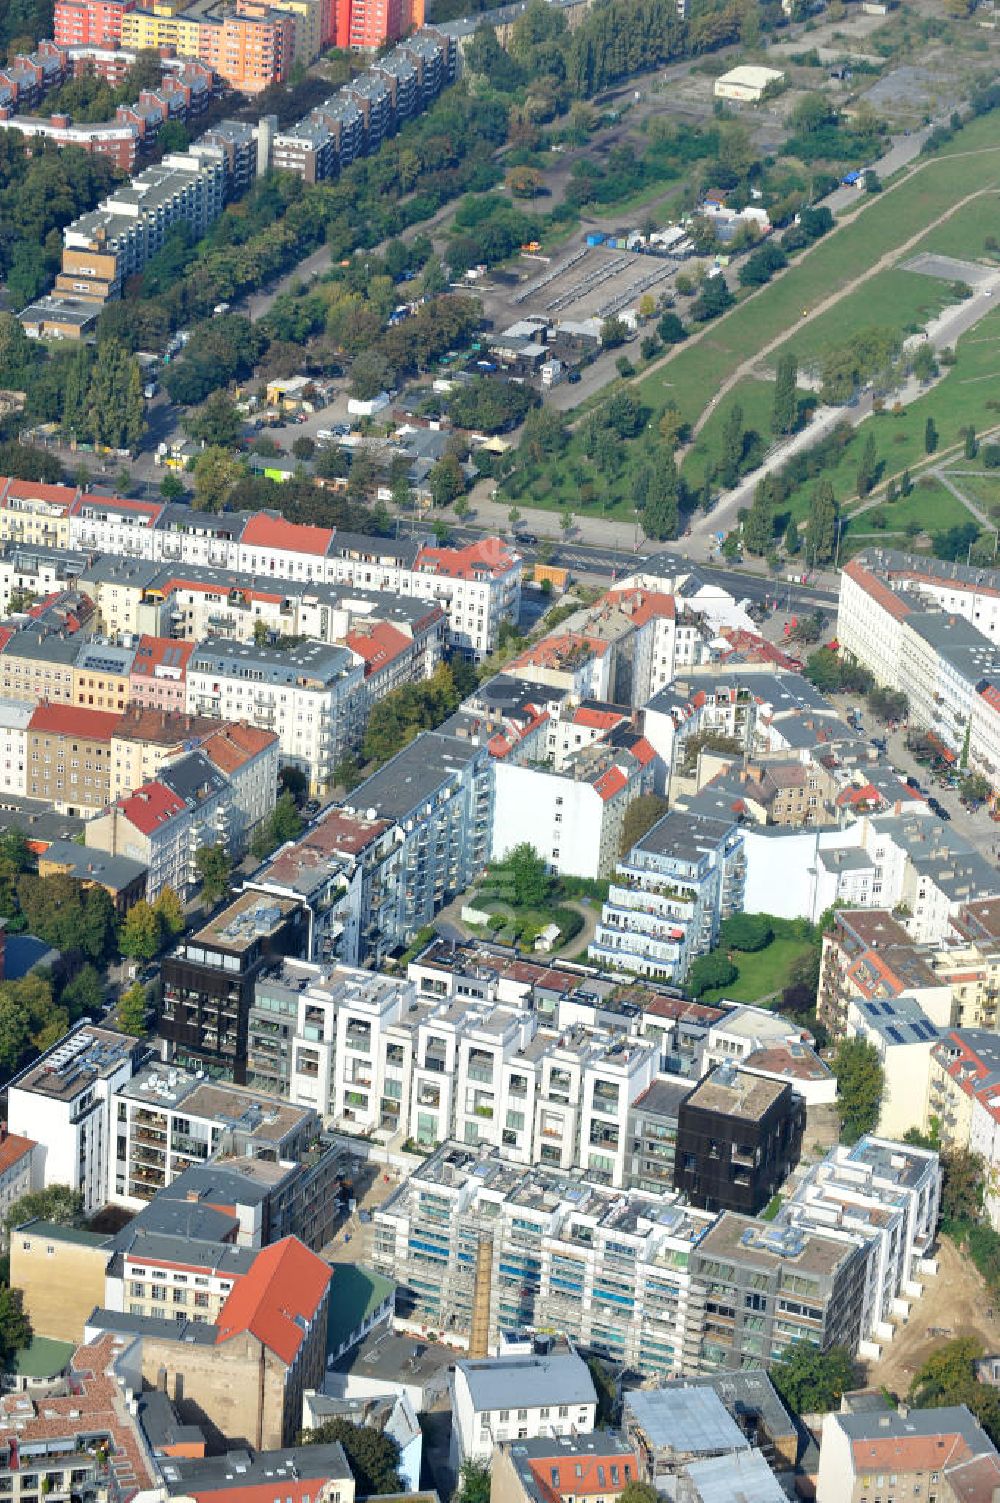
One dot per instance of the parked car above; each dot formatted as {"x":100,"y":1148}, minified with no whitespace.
{"x":574,"y":378}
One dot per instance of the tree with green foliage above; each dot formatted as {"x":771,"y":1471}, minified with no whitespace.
{"x":521,"y":878}
{"x":372,"y":1455}
{"x":746,"y":931}
{"x":114,"y":398}
{"x":924,"y":365}
{"x":15,"y":1324}
{"x":606,"y":1390}
{"x":473,"y":1482}
{"x":930,"y":436}
{"x":811,"y":1381}
{"x":638,"y":1492}
{"x":793,"y":541}
{"x":640,"y":817}
{"x":215,"y":471}
{"x":974,"y":788}
{"x":661,"y":514}
{"x":963,"y":1185}
{"x":404,"y":712}
{"x":140,"y":935}
{"x":713,"y":300}
{"x":446,"y":480}
{"x":68,"y":915}
{"x":970,"y":442}
{"x":282,"y":824}
{"x":860,"y":1084}
{"x":60,"y":1204}
{"x":785,"y":411}
{"x":217,"y":421}
{"x":214,"y":868}
{"x":709,"y":973}
{"x":821,"y":524}
{"x":83,"y":993}
{"x":170,"y":911}
{"x":868,"y":465}
{"x":670,"y":329}
{"x":731,"y":457}
{"x":758,"y":527}
{"x":131,"y":1012}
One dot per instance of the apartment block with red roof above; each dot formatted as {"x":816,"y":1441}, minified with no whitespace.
{"x":479,"y":586}
{"x":248,"y":758}
{"x":578,"y":1468}
{"x":242,"y":1377}
{"x":575,"y":817}
{"x":984,"y":731}
{"x":115,"y":525}
{"x":302,"y":1474}
{"x":82,"y":1438}
{"x":31,"y":512}
{"x":68,"y":753}
{"x":870,"y":617}
{"x":147,"y":739}
{"x":861,"y":1453}
{"x":158,"y":680}
{"x":165,"y":822}
{"x":20,"y":1167}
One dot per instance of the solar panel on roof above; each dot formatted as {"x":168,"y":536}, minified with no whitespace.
{"x":894,"y":1034}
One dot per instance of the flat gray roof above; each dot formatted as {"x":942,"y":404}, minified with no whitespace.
{"x":685,"y":1420}
{"x":529,"y":1381}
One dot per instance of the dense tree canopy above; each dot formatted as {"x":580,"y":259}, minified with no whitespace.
{"x":860,"y":1083}
{"x":811,"y":1381}
{"x":372,"y":1455}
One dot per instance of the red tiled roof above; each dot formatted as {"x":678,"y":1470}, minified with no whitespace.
{"x":235,"y":745}
{"x":909,"y":1453}
{"x":6,"y":632}
{"x":151,"y":510}
{"x":73,"y":720}
{"x":597,"y":720}
{"x":150,"y":807}
{"x":152,"y":651}
{"x":13,"y":1149}
{"x":991,"y":694}
{"x":878,"y":590}
{"x":576,"y":1474}
{"x":96,"y":1408}
{"x":490,"y":555}
{"x":610,"y":783}
{"x":283,"y":1289}
{"x":264,"y":531}
{"x":31,"y":490}
{"x":643,"y":751}
{"x":642,"y":606}
{"x":378,"y":644}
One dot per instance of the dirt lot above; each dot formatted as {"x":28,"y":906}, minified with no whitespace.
{"x":954,"y":1303}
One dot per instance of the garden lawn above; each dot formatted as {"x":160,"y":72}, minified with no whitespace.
{"x":930,"y":505}
{"x":982,"y":489}
{"x":696,"y":372}
{"x":762,"y":972}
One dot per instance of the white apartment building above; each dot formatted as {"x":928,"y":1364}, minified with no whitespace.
{"x":870,"y":619}
{"x":63,"y":1101}
{"x":515,"y":1397}
{"x":609,"y":1269}
{"x":14,"y":717}
{"x":574,"y":818}
{"x":984,"y":731}
{"x":115,"y":525}
{"x":885,"y":1194}
{"x":312,"y":696}
{"x":943,"y":660}
{"x":364,"y":1052}
{"x":20,"y":1172}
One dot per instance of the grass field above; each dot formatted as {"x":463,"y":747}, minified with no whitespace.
{"x":894,"y":299}
{"x":757,"y":400}
{"x":763,"y":973}
{"x":930,"y":505}
{"x":695,"y":374}
{"x":964,"y":235}
{"x":984,"y":489}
